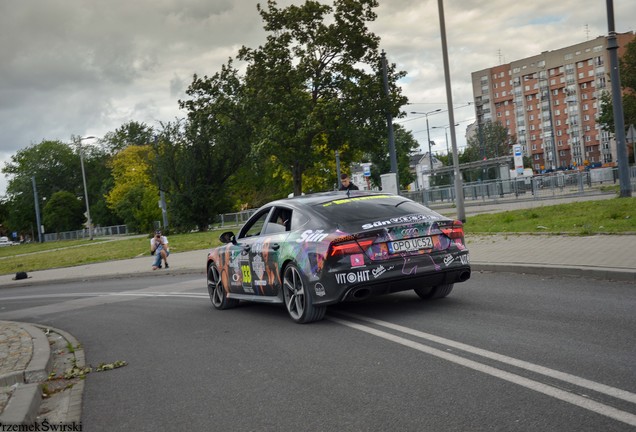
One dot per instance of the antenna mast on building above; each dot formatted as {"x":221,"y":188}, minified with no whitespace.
{"x":499,"y":55}
{"x":587,"y":32}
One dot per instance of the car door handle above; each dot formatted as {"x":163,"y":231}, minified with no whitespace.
{"x":275,"y":246}
{"x":247,"y":248}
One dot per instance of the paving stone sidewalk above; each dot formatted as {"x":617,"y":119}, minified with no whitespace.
{"x":16,"y":349}
{"x":26,"y":362}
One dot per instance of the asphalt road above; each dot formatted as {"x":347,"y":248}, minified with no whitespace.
{"x":502,"y":352}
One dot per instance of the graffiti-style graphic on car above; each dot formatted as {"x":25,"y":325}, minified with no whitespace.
{"x":312,"y":251}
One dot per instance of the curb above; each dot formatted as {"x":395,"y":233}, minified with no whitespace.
{"x":603,"y":273}
{"x":71,"y":409}
{"x":24,"y":404}
{"x":35,"y":282}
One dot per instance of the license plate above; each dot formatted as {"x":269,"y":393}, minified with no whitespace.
{"x":410,"y":245}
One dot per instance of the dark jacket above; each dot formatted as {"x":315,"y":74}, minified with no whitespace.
{"x":350,"y":187}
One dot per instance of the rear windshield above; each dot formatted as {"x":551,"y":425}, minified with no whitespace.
{"x":355,"y":212}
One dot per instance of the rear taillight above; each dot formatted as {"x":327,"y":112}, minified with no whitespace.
{"x":453,"y":231}
{"x":344,"y":246}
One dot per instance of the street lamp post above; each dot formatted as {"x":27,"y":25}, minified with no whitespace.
{"x":428,"y":136}
{"x":88,"y":209}
{"x":446,"y":135}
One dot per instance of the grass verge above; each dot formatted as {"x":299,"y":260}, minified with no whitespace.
{"x":613,"y":216}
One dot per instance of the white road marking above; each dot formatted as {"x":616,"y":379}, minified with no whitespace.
{"x":548,"y":390}
{"x":572,"y":379}
{"x":100,"y":298}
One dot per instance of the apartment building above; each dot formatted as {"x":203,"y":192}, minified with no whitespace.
{"x":551,"y":102}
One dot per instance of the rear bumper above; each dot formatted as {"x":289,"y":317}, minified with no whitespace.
{"x":444,"y":278}
{"x":405,"y":274}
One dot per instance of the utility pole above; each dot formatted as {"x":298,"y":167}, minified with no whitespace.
{"x":617,"y":105}
{"x":389,"y":121}
{"x":37,"y":209}
{"x":459,"y":187}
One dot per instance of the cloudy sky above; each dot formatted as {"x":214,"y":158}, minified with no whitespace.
{"x":75,"y":67}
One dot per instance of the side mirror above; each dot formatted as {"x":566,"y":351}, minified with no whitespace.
{"x":227,"y":237}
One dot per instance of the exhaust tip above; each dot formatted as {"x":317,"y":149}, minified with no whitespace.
{"x":362,"y":293}
{"x":464,"y":276}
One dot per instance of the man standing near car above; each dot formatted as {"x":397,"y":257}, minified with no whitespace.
{"x":346,"y":184}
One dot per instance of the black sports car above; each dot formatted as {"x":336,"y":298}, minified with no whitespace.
{"x":312,"y":251}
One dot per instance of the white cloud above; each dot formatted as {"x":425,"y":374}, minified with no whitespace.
{"x":71,"y":67}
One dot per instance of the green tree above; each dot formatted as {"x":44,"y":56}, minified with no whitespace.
{"x":309,"y":86}
{"x":490,"y":141}
{"x":55,"y":167}
{"x":197,"y":157}
{"x":627,"y":69}
{"x":405,"y":145}
{"x":131,"y":133}
{"x":135,"y":196}
{"x":63,"y":212}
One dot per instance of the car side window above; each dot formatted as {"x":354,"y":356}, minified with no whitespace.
{"x":255,"y":226}
{"x":281,"y":217}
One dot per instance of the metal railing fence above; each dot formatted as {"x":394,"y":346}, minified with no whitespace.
{"x":546,"y":186}
{"x":84,"y":234}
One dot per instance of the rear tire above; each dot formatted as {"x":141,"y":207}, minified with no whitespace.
{"x":297,"y":299}
{"x":436,"y":292}
{"x":217,"y":293}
